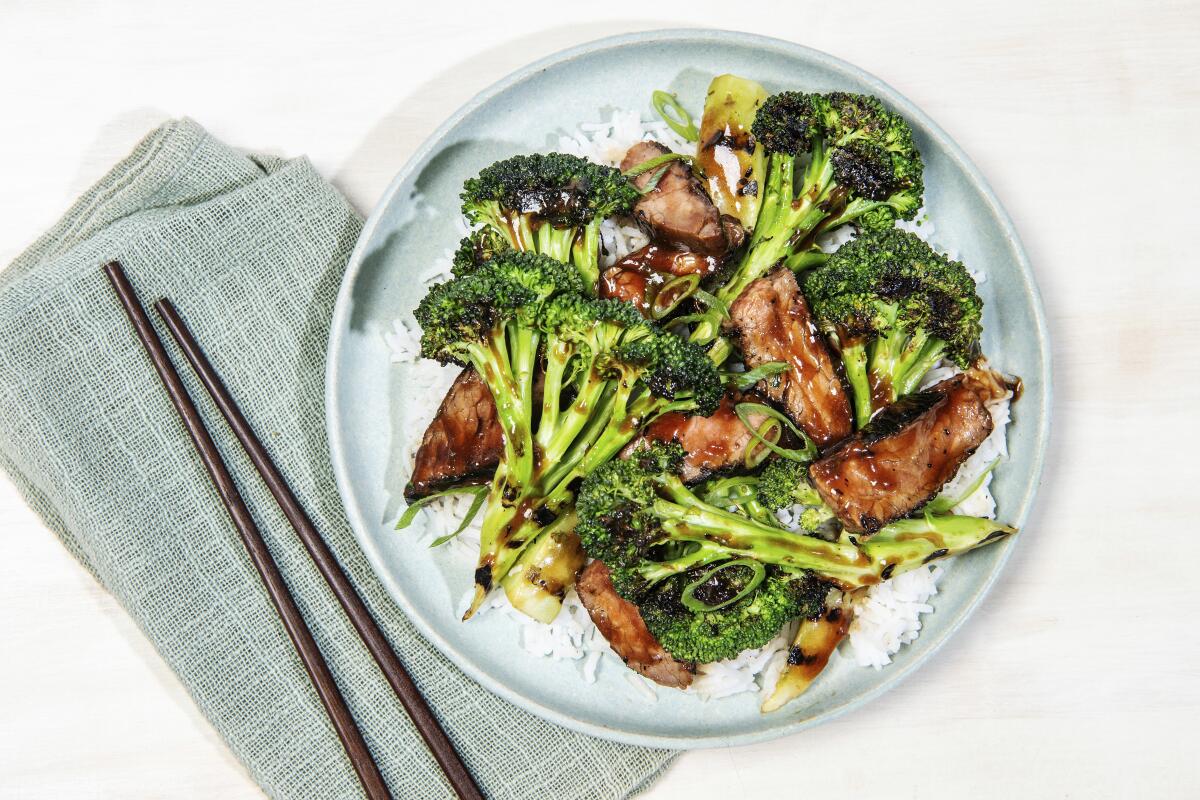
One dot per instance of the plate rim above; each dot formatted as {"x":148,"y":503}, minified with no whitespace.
{"x":339,"y":327}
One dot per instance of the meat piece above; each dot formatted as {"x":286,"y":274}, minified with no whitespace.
{"x":621,"y":624}
{"x":678,"y":209}
{"x":773,"y":323}
{"x":711,"y":444}
{"x":637,"y":277}
{"x":905,"y":455}
{"x":463,"y":443}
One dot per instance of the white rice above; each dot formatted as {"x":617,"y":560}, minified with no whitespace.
{"x":886,"y":617}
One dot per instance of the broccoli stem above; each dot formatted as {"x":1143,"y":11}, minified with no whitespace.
{"x":554,"y":241}
{"x":558,"y":358}
{"x":901,"y":357}
{"x":854,"y":362}
{"x":785,"y":219}
{"x":522,"y":233}
{"x":585,"y":253}
{"x":587,"y":433}
{"x":806,"y":259}
{"x":506,"y":363}
{"x":815,"y":640}
{"x":602,"y":429}
{"x":908,"y":543}
{"x":849,"y":562}
{"x":494,"y":364}
{"x":653,"y":572}
{"x":590,"y":404}
{"x":913,"y":369}
{"x":720,"y":351}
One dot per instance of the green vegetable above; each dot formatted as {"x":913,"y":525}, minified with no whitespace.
{"x":832,"y":159}
{"x":607,"y":372}
{"x":675,"y":115}
{"x":733,"y":163}
{"x":748,"y":622}
{"x":894,"y":307}
{"x":550,"y":204}
{"x":539,"y":579}
{"x":628,"y":509}
{"x":803,"y":454}
{"x":410,"y":513}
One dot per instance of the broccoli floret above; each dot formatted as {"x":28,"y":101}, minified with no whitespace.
{"x":607,"y":372}
{"x":551,"y":204}
{"x":857,"y":163}
{"x":630,"y":509}
{"x":691,"y":566}
{"x":463,"y":318}
{"x":894,"y":307}
{"x":477,"y":248}
{"x":619,"y":372}
{"x":784,"y":483}
{"x":714,"y":635}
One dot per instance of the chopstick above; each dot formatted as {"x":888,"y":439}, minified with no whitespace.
{"x":410,"y":696}
{"x":335,"y":705}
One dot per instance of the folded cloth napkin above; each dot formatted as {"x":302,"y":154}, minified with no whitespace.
{"x":251,"y":249}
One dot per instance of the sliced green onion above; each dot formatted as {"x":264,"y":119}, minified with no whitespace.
{"x":745,"y":380}
{"x":769,"y":431}
{"x":941,"y":505}
{"x":675,"y":291}
{"x":652,"y":184}
{"x":679,"y":120}
{"x":713,"y":302}
{"x":803,"y":455}
{"x":657,"y":161}
{"x":688,"y":598}
{"x":410,"y":513}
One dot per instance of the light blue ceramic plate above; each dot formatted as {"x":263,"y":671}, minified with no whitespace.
{"x":369,"y":411}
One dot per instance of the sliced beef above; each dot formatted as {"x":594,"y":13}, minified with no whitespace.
{"x":678,"y":209}
{"x":773,"y":323}
{"x":905,"y":455}
{"x":711,"y":444}
{"x":638,"y":277}
{"x":463,"y":443}
{"x":621,"y":624}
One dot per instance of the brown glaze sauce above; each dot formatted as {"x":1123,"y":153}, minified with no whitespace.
{"x":639,"y":276}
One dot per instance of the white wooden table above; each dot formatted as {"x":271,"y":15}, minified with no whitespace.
{"x":1081,"y":674}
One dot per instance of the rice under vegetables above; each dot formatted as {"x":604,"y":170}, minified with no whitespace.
{"x":886,"y":617}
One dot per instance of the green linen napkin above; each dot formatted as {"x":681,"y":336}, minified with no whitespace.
{"x":251,"y":250}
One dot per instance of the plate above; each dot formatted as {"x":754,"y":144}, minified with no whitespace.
{"x":369,"y":413}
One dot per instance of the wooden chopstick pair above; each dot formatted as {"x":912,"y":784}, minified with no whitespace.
{"x":339,"y":714}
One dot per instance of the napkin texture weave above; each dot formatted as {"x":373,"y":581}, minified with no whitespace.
{"x":252,"y":250}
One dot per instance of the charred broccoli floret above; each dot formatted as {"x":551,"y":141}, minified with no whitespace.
{"x":607,"y":372}
{"x":634,"y":513}
{"x":894,"y":307}
{"x":710,"y":581}
{"x":699,"y":616}
{"x":832,"y":159}
{"x":552,"y":204}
